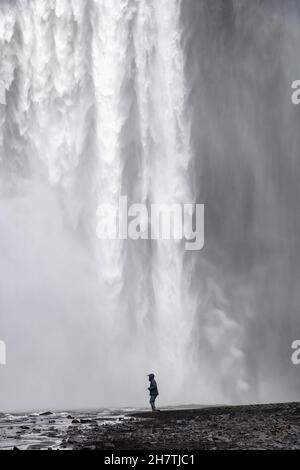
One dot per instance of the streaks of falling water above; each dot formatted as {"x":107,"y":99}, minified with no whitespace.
{"x":74,"y":71}
{"x":167,"y":154}
{"x":110,"y":68}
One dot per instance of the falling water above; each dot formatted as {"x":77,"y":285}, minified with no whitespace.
{"x":161,"y":101}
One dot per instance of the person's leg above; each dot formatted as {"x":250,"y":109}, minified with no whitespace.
{"x":154,"y":407}
{"x":152,"y":402}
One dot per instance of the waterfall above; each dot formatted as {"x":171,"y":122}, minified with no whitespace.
{"x":167,"y":156}
{"x":77,"y":76}
{"x":156,"y":100}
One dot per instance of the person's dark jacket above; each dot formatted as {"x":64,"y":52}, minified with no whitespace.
{"x":153,"y":387}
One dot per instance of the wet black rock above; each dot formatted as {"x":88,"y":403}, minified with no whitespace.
{"x":109,"y":445}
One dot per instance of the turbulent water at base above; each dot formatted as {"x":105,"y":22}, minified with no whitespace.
{"x":162,"y":101}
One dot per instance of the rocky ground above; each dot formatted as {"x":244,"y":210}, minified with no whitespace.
{"x":243,"y":427}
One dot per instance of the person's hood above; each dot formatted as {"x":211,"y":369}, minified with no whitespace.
{"x":151,"y":376}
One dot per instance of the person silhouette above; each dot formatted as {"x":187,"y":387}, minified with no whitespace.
{"x":153,"y":391}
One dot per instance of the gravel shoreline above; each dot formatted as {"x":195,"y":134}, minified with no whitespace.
{"x":263,"y":427}
{"x":222,"y":428}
